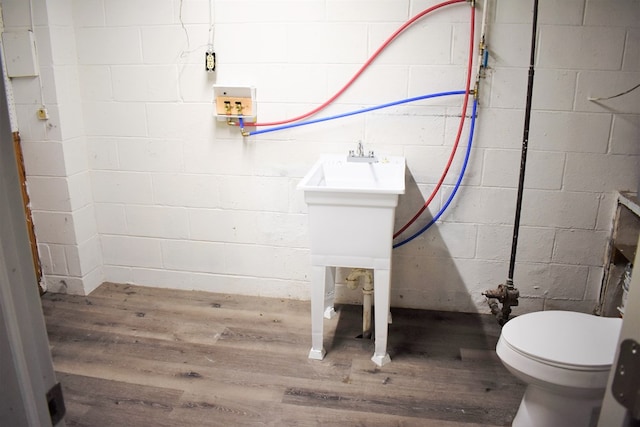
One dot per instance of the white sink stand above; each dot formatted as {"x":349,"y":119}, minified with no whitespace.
{"x":322,"y":298}
{"x":351,"y":216}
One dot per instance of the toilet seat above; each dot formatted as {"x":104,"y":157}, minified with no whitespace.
{"x":554,"y":364}
{"x":563,"y":339}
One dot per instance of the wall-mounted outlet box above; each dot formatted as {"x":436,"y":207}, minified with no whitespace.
{"x":232,"y":102}
{"x":42,"y":113}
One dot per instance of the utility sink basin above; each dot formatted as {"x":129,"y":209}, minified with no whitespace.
{"x":334,"y":173}
{"x":351,"y":216}
{"x":352,"y":209}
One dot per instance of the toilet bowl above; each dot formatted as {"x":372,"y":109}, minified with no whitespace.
{"x":564,"y":358}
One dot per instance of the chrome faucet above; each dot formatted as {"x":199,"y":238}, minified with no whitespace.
{"x":360,"y":156}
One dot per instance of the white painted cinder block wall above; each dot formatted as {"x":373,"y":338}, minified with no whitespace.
{"x":176,"y":199}
{"x":55,"y":151}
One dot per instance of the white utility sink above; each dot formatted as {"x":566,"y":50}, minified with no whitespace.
{"x":333,"y":173}
{"x":351,"y":217}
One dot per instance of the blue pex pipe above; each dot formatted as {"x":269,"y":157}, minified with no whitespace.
{"x":352,"y":113}
{"x":457,"y":186}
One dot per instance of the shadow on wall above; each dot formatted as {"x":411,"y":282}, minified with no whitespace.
{"x":424,"y":274}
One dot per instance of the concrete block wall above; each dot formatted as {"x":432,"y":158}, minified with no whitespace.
{"x":180,"y":200}
{"x":55,"y":152}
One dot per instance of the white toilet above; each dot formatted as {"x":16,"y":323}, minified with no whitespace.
{"x":565,"y":358}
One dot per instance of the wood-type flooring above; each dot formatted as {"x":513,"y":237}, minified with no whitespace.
{"x":139,"y":356}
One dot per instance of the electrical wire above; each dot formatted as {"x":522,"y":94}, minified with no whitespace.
{"x":211,"y":20}
{"x":362,"y":68}
{"x":184,"y":28}
{"x":458,"y":135}
{"x":615,"y":96}
{"x":209,"y":45}
{"x":457,"y":185}
{"x":352,"y":113}
{"x":33,"y":30}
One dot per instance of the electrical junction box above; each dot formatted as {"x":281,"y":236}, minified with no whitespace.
{"x":234,"y":102}
{"x":20,"y":53}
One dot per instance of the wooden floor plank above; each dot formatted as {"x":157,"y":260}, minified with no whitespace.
{"x":108,"y":399}
{"x":301,"y":416}
{"x":470,"y":382}
{"x":138,"y":356}
{"x":435,"y":406}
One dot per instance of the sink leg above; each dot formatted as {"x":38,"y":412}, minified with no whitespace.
{"x":381,"y":293}
{"x":322,"y":297}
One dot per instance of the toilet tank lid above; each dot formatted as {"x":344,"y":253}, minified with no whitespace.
{"x":565,"y":337}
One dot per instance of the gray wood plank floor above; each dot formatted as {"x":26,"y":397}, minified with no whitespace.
{"x":138,"y":356}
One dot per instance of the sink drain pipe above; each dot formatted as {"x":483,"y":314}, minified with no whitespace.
{"x":507,"y":294}
{"x":367,"y":296}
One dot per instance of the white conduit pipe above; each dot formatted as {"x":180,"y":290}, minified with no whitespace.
{"x":482,"y":46}
{"x":483,"y":26}
{"x":367,"y":296}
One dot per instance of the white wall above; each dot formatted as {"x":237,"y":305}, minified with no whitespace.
{"x":55,"y":151}
{"x":182,"y":201}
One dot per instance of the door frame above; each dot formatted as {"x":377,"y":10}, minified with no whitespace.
{"x":26,"y":365}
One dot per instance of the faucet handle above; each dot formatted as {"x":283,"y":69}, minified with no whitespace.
{"x":360,"y":156}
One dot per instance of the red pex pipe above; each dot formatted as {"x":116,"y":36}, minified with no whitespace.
{"x":459,"y":134}
{"x":361,"y":70}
